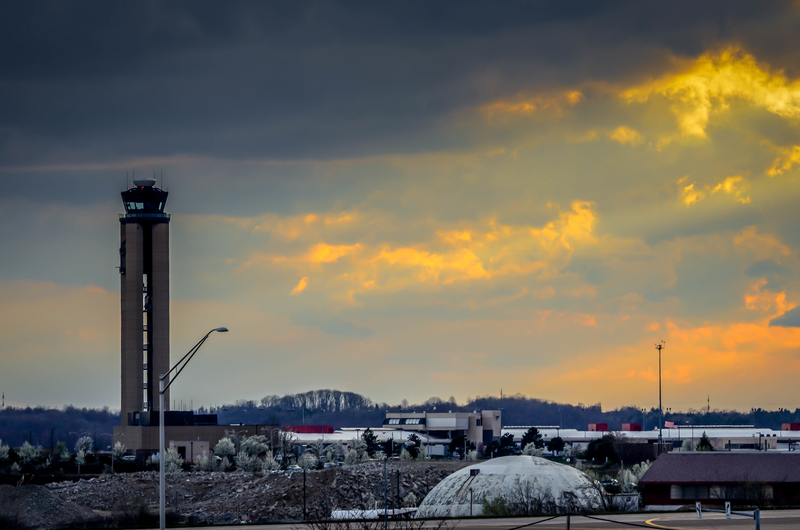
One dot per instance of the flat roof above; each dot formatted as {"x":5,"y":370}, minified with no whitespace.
{"x":685,"y":432}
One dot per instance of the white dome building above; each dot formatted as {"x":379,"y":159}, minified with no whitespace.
{"x":527,"y":484}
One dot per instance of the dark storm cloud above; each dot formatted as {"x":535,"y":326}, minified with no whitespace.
{"x":97,"y":80}
{"x":764,"y":268}
{"x":790,"y":319}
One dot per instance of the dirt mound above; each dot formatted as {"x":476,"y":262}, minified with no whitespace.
{"x":37,"y":507}
{"x":224,"y":497}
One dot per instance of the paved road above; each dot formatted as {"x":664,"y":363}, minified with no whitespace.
{"x":780,"y":520}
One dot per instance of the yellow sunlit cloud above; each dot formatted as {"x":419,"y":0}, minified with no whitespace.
{"x":735,"y":185}
{"x":323,"y":253}
{"x":626,"y":135}
{"x":787,"y":157}
{"x":690,"y":195}
{"x":709,"y":84}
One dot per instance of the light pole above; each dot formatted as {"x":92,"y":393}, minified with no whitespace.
{"x":660,"y":347}
{"x":112,"y":447}
{"x":385,"y":494}
{"x":180,"y":365}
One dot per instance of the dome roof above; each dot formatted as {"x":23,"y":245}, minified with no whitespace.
{"x":527,"y":484}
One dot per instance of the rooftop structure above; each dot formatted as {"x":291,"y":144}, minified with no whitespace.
{"x":478,"y":427}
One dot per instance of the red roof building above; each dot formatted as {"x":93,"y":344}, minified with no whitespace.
{"x":309,"y":429}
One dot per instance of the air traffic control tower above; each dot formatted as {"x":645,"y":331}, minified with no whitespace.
{"x":144,"y":283}
{"x":144,"y":289}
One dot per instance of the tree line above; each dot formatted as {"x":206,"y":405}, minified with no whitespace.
{"x":43,"y":426}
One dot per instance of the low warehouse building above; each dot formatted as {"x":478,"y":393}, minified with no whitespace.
{"x":744,"y":478}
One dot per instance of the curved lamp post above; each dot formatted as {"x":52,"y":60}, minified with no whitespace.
{"x":179,"y":366}
{"x":660,"y":347}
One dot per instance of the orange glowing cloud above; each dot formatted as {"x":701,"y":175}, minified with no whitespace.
{"x":757,"y":299}
{"x":301,"y":286}
{"x":526,"y":105}
{"x":477,"y":252}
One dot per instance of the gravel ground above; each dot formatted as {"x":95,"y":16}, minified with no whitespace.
{"x":222,"y":497}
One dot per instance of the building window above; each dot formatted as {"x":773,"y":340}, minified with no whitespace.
{"x":689,"y":492}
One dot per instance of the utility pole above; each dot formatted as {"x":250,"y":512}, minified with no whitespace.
{"x":659,"y":347}
{"x":385,"y":495}
{"x":708,"y":410}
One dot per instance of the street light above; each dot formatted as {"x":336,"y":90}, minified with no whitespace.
{"x":112,"y":447}
{"x":660,"y":347}
{"x":180,"y":365}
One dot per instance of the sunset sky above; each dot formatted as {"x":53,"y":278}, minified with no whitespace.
{"x":410,"y":199}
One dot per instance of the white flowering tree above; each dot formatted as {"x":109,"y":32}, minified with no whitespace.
{"x":334,"y":452}
{"x":3,"y":451}
{"x":247,"y":462}
{"x":206,"y":462}
{"x":629,"y":477}
{"x":85,"y":444}
{"x":423,"y":453}
{"x":532,"y":450}
{"x":249,"y":450}
{"x":225,"y":448}
{"x":118,"y":451}
{"x":410,"y":500}
{"x":360,"y":447}
{"x":28,"y":453}
{"x":352,"y":457}
{"x":254,"y":445}
{"x":270,"y":464}
{"x":307,"y":461}
{"x":173,"y":463}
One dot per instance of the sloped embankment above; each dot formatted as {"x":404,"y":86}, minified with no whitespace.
{"x":224,"y":497}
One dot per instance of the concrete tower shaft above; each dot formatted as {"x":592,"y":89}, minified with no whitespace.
{"x":144,"y":289}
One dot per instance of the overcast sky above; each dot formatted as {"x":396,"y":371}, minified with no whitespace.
{"x":410,"y":199}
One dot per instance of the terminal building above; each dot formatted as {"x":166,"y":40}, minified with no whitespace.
{"x":721,"y":437}
{"x":481,"y":427}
